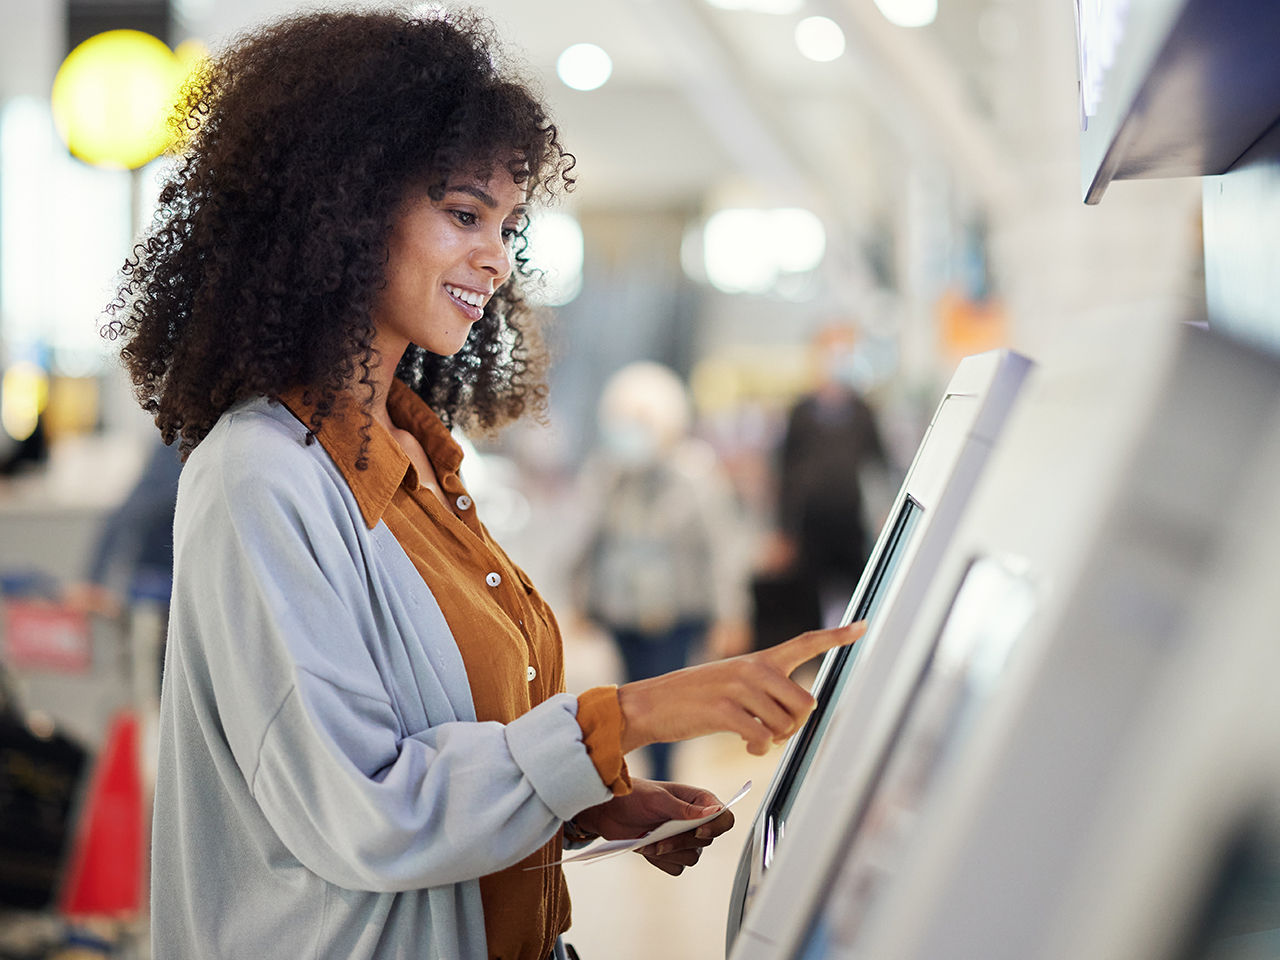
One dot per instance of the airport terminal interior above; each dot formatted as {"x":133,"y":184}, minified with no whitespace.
{"x":957,"y":317}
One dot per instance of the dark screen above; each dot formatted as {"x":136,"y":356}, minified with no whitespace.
{"x":835,"y":677}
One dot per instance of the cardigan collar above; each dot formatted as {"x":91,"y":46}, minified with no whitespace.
{"x":387,"y":466}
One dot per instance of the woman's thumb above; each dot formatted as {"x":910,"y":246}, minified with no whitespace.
{"x":694,"y":810}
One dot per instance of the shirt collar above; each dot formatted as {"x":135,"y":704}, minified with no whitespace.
{"x":410,"y":412}
{"x":388,"y":465}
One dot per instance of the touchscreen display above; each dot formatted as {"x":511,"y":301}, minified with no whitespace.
{"x":986,"y":618}
{"x":835,"y":679}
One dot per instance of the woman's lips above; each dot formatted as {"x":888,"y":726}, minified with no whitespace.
{"x":473,"y":312}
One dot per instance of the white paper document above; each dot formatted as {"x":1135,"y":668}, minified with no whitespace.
{"x":601,"y":849}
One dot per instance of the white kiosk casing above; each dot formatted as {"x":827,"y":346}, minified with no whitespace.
{"x":865,"y":872}
{"x":1182,"y":861}
{"x":1124,"y":752}
{"x":943,"y":473}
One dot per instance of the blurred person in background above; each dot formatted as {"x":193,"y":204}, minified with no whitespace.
{"x":366,"y":750}
{"x":830,"y":454}
{"x":134,"y":547}
{"x":661,"y":568}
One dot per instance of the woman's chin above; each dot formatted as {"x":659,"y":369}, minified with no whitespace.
{"x":444,"y":346}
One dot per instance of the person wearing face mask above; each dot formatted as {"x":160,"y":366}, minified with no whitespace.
{"x":660,"y":570}
{"x":830,"y":449}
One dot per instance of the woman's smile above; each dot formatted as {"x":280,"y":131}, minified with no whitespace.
{"x":470,"y":302}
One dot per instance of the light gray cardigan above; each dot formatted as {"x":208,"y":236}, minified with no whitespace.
{"x":324,"y":790}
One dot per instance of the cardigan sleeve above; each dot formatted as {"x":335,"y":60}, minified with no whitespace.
{"x":270,"y":618}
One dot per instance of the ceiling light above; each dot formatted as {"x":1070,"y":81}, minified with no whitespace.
{"x":909,"y":13}
{"x":584,"y":66}
{"x":112,"y":95}
{"x":820,"y":38}
{"x":24,"y":393}
{"x":800,"y":237}
{"x":750,"y":251}
{"x":556,"y":249}
{"x":735,"y":259}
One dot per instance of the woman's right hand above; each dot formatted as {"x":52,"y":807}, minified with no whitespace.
{"x":752,"y":695}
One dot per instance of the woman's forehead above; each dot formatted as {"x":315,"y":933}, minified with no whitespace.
{"x":489,"y":182}
{"x":497,"y":191}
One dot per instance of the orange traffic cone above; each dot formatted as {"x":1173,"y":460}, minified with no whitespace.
{"x":105,"y":871}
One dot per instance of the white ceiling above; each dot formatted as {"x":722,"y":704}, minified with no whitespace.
{"x":703,"y":99}
{"x":910,"y":138}
{"x":971,"y":120}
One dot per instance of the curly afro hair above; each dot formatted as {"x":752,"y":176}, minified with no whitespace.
{"x":270,"y":244}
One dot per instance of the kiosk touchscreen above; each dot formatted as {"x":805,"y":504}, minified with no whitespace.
{"x":942,"y":475}
{"x":948,"y":820}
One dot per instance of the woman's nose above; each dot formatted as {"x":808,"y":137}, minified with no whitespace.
{"x":494,"y":257}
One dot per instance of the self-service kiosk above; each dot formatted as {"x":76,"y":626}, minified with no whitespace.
{"x":974,"y":811}
{"x":1182,"y":857}
{"x":947,"y":464}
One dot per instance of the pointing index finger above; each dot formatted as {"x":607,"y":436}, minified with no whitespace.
{"x":790,"y":654}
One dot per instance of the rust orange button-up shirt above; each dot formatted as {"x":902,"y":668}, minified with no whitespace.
{"x":505,"y":631}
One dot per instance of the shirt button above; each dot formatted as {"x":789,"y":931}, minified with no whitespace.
{"x":532,"y":673}
{"x":463,"y":502}
{"x":493,"y":579}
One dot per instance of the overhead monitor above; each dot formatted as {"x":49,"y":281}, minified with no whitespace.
{"x":1172,"y":88}
{"x":947,"y":463}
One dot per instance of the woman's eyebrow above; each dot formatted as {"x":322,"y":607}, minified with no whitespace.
{"x":473,"y":190}
{"x":484,"y":197}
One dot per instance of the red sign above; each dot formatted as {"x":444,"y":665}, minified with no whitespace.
{"x":42,"y":635}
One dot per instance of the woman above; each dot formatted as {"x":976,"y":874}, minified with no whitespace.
{"x":364,"y":739}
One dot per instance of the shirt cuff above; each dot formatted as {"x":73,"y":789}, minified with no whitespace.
{"x":600,"y":717}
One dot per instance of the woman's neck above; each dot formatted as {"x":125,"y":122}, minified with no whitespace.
{"x":382,"y":370}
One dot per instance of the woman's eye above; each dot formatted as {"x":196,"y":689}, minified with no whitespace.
{"x":465,"y":217}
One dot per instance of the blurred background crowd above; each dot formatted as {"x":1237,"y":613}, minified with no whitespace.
{"x":792,"y":218}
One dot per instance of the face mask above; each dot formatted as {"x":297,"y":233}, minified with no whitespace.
{"x":851,"y":369}
{"x":628,"y":443}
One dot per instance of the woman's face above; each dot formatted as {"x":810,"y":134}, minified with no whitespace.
{"x":446,"y":258}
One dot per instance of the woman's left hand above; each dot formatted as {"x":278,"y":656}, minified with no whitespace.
{"x":651,"y":803}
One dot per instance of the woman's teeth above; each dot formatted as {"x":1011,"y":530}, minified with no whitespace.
{"x":466,"y":296}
